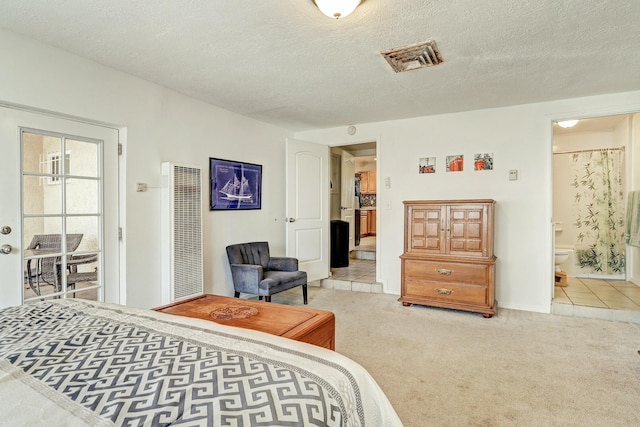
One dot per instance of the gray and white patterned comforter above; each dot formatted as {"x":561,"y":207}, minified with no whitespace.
{"x":73,"y":362}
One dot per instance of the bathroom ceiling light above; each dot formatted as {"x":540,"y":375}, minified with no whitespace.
{"x":337,"y":8}
{"x":567,"y":123}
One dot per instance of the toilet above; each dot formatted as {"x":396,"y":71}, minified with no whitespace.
{"x":560,"y":257}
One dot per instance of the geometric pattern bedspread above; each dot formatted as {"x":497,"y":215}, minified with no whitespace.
{"x":104,"y":364}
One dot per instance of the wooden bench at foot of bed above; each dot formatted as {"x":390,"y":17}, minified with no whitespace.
{"x":301,"y":324}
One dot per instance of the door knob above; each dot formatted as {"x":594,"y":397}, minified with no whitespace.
{"x":5,"y":229}
{"x":291,"y":219}
{"x":5,"y":249}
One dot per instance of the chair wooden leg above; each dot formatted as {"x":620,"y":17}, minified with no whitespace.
{"x":267,"y":299}
{"x":304,"y":294}
{"x":236,"y":294}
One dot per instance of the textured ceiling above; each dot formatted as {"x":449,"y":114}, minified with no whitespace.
{"x":283,"y":62}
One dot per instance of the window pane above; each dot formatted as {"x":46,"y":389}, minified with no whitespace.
{"x":38,"y":198}
{"x":83,"y":158}
{"x":39,"y":231}
{"x":36,"y":150}
{"x":88,"y":226}
{"x":92,"y":294}
{"x":82,"y":196}
{"x":41,"y":276}
{"x":82,"y":275}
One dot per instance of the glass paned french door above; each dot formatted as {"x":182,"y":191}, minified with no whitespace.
{"x":62,"y":216}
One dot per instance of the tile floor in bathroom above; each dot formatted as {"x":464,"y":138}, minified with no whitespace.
{"x":601,"y":299}
{"x":615,"y":294}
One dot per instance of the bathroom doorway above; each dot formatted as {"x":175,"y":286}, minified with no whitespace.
{"x":591,"y":180}
{"x":361,"y":272}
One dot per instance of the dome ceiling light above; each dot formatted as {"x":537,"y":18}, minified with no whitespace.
{"x":567,"y":123}
{"x":337,"y":8}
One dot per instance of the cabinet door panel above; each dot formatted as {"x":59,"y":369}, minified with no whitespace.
{"x":372,"y":222}
{"x":363,"y":224}
{"x":474,"y":231}
{"x":467,"y":230}
{"x":427,"y":231}
{"x":371,"y":175}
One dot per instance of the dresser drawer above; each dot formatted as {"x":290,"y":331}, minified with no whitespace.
{"x":447,"y":272}
{"x":469,"y":294}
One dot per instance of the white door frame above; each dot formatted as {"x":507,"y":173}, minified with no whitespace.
{"x":121,"y":174}
{"x":379,"y":255}
{"x":631,"y":182}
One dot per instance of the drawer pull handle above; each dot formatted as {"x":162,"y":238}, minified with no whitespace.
{"x":444,"y":272}
{"x":443,"y":291}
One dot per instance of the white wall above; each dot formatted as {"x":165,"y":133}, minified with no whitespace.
{"x":520,"y":138}
{"x":158,"y":125}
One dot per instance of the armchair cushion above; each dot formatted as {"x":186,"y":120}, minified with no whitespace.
{"x":278,"y":281}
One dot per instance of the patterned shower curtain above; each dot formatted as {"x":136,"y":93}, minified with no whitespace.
{"x":599,"y":208}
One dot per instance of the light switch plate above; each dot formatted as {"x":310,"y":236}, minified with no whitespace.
{"x":513,"y":175}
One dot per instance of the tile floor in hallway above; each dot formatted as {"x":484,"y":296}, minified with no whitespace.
{"x":360,"y":275}
{"x":359,"y":270}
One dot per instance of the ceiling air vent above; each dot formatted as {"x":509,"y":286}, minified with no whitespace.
{"x":419,"y":55}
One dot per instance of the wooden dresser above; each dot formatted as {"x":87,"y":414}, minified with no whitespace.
{"x":297,"y":323}
{"x":448,"y":258}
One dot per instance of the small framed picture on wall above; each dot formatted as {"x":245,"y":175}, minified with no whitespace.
{"x":427,"y":165}
{"x":455,"y":163}
{"x":483,"y":161}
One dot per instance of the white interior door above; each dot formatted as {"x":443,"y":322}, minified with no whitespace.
{"x":60,"y":202}
{"x":347,"y":195}
{"x":307,"y":199}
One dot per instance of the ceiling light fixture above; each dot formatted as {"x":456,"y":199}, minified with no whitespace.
{"x":337,"y":8}
{"x":567,"y":123}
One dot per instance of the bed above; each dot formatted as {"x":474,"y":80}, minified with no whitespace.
{"x":78,"y":363}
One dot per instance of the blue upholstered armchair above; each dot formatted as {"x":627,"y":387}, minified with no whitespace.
{"x":255,"y":272}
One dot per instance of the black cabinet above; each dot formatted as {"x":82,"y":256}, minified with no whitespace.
{"x":339,"y":244}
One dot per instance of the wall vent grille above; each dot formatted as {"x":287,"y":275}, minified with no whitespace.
{"x":182,"y":226}
{"x":413,"y":57}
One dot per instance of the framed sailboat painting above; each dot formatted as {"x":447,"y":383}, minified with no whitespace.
{"x":234,"y":185}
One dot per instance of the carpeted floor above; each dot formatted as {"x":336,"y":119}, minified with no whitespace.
{"x":450,"y":368}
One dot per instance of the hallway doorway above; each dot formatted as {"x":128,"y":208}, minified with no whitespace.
{"x":359,"y":193}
